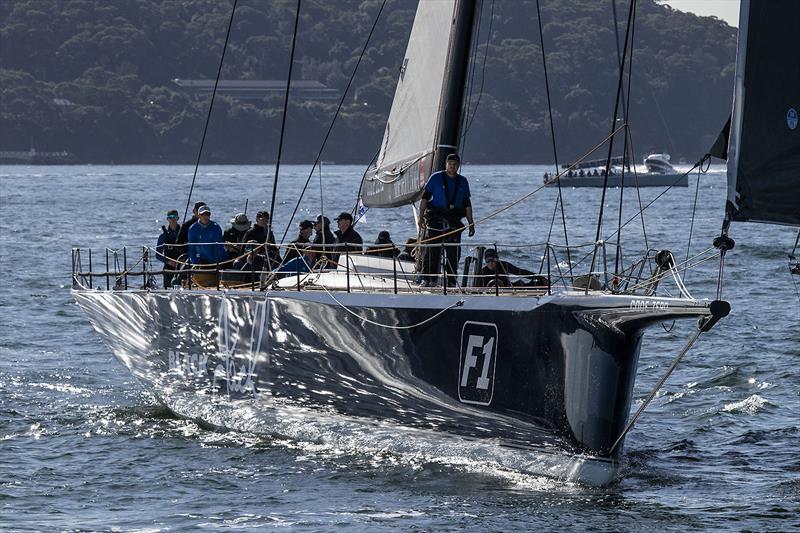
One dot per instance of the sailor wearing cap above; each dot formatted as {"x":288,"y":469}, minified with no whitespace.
{"x":205,"y":240}
{"x":167,"y":250}
{"x":445,"y":201}
{"x":346,"y":236}
{"x":306,"y":229}
{"x":323,"y":238}
{"x":261,"y":232}
{"x":183,"y":237}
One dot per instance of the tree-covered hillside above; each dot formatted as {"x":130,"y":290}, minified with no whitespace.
{"x":95,"y":78}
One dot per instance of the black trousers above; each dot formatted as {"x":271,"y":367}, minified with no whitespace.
{"x":432,"y":254}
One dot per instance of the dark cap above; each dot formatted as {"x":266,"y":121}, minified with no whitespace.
{"x":453,"y":157}
{"x":326,"y":220}
{"x":172,"y":213}
{"x":384,"y":238}
{"x":306,"y":224}
{"x":490,"y":253}
{"x":344,"y":215}
{"x":198,"y":205}
{"x":262,"y":214}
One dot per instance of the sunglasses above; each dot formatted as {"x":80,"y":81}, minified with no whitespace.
{"x":205,"y":214}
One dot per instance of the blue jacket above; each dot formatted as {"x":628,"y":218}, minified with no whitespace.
{"x":204,"y":235}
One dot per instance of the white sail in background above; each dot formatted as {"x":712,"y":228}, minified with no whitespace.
{"x":409,"y":140}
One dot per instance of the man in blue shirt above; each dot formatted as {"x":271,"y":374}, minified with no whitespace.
{"x":205,"y":240}
{"x":444,"y":203}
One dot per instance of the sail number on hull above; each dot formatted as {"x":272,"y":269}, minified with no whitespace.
{"x":477,"y":363}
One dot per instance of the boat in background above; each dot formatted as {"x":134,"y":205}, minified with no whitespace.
{"x":660,"y":173}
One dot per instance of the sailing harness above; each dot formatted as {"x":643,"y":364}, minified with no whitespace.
{"x":442,"y":219}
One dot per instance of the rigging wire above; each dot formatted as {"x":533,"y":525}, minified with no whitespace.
{"x":626,"y":115}
{"x":694,"y":211}
{"x":210,"y":108}
{"x":611,"y":141}
{"x":628,"y":133}
{"x":465,"y":106}
{"x":483,"y":72}
{"x":333,"y":121}
{"x":560,"y":199}
{"x":283,"y":117}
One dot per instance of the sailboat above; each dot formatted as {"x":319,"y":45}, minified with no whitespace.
{"x":548,"y":371}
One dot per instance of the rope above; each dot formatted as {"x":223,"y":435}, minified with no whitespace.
{"x":333,"y":121}
{"x":658,"y":386}
{"x":210,"y":108}
{"x":524,"y":196}
{"x":387,"y":326}
{"x":283,"y":117}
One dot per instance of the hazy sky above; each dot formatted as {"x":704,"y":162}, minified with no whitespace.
{"x":727,"y":10}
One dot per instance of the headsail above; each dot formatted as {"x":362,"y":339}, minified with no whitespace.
{"x":764,"y":144}
{"x":415,"y":121}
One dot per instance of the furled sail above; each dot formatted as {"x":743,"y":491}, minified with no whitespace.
{"x":764,"y":144}
{"x":406,"y":155}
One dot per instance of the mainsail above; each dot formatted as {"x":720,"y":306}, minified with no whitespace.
{"x":764,"y":144}
{"x":433,"y":69}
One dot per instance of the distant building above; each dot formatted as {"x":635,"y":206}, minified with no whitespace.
{"x":258,"y":89}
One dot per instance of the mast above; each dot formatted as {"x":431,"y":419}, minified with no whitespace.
{"x":452,"y":101}
{"x":424,"y":124}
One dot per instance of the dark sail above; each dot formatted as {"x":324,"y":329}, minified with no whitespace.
{"x":764,"y":148}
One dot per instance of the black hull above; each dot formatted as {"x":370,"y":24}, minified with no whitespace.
{"x":551,"y":374}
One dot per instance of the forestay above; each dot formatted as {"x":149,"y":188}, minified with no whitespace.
{"x":406,"y":154}
{"x":764,"y":144}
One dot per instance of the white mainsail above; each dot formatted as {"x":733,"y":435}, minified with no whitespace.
{"x":409,"y":141}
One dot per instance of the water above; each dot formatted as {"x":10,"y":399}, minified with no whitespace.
{"x":83,"y":447}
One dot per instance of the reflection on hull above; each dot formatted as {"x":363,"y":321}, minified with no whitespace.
{"x":540,"y":374}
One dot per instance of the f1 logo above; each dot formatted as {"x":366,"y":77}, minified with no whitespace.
{"x":478,"y":355}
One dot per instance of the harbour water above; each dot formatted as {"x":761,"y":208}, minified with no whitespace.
{"x":83,"y":447}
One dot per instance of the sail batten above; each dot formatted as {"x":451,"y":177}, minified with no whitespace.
{"x":410,"y":139}
{"x":764,"y":141}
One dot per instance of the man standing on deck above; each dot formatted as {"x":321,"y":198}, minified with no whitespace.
{"x":261,"y":232}
{"x":444,"y":203}
{"x":166,"y":250}
{"x":205,"y":240}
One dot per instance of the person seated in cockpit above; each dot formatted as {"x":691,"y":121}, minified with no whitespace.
{"x":497,"y":272}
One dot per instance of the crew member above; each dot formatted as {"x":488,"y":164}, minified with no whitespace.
{"x":306,"y":228}
{"x":444,"y":203}
{"x":167,"y":249}
{"x":384,"y":247}
{"x":261,"y":232}
{"x":324,"y":241}
{"x":183,"y":236}
{"x":497,"y":272}
{"x":347,"y":237}
{"x":234,"y":235}
{"x":205,"y":240}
